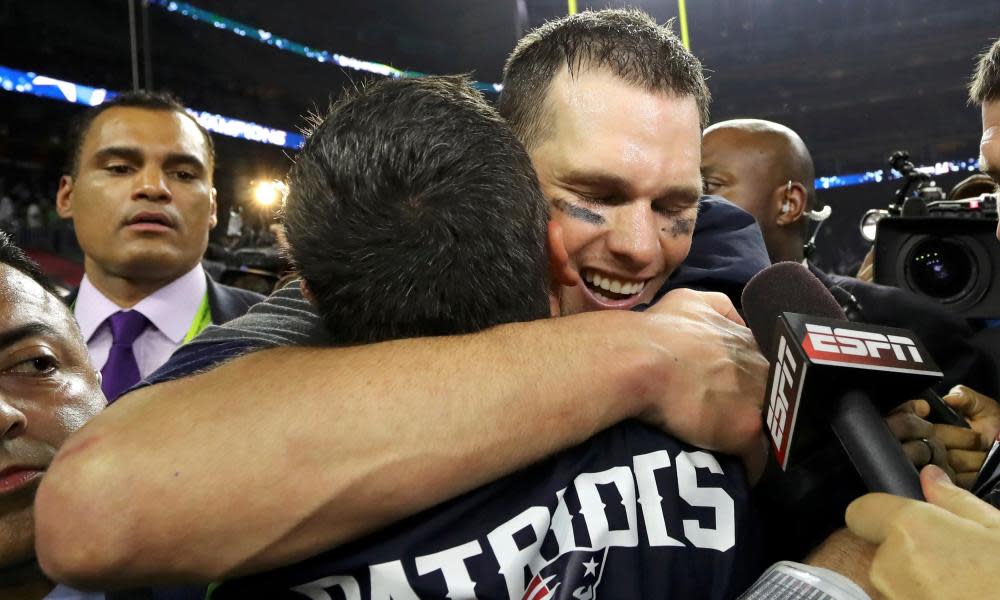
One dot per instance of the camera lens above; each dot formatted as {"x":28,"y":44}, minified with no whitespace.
{"x":941,"y":268}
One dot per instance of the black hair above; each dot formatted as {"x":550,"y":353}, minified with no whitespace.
{"x":12,"y":256}
{"x":412,"y":210}
{"x":985,"y":85}
{"x":147,"y":100}
{"x":627,"y":42}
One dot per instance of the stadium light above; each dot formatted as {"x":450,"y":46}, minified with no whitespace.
{"x":269,"y":193}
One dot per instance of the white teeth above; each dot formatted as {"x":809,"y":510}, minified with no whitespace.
{"x":613,"y":285}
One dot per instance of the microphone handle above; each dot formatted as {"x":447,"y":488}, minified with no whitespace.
{"x":876,"y":454}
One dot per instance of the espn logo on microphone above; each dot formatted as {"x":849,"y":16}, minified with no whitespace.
{"x":787,"y":377}
{"x":866,"y":349}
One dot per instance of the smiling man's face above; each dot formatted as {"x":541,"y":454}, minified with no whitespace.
{"x":620,"y":168}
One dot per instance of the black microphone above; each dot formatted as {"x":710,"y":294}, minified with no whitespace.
{"x":829,"y":373}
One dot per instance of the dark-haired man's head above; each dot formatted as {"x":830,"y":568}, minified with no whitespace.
{"x":985,"y":91}
{"x":47,"y":390}
{"x":610,"y":106}
{"x":412,"y":210}
{"x":764,"y":168}
{"x":139,"y":190}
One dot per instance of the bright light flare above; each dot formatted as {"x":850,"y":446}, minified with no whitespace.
{"x":269,"y":193}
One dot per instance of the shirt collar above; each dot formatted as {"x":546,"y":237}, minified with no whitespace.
{"x":92,"y":308}
{"x":171,"y":309}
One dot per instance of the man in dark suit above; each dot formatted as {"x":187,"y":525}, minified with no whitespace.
{"x":139,"y":191}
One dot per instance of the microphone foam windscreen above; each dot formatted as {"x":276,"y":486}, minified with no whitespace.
{"x":784,"y":287}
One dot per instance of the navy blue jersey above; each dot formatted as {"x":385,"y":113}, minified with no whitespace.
{"x":630,"y":513}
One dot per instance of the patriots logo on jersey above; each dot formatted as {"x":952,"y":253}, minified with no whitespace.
{"x":580,"y":570}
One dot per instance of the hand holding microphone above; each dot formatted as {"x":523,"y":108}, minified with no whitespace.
{"x":959,"y":449}
{"x":981,"y":412}
{"x":945,"y":548}
{"x":918,"y":437}
{"x":827,"y":374}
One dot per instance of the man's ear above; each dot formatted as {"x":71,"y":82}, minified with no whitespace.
{"x":213,"y":219}
{"x":559,"y":269}
{"x":64,"y":197}
{"x":791,"y":203}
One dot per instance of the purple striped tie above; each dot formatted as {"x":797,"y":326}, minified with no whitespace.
{"x":121,"y":371}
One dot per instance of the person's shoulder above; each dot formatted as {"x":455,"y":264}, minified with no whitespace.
{"x":285,"y":318}
{"x":716,"y":210}
{"x":247,"y":296}
{"x":227,"y":302}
